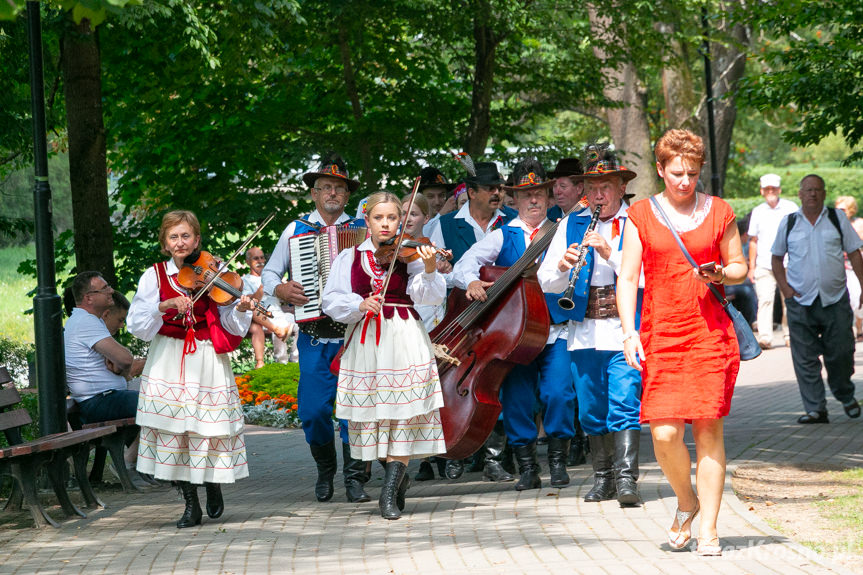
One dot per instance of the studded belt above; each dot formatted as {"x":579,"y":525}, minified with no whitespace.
{"x":601,"y":303}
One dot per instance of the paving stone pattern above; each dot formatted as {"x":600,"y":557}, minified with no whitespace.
{"x":272,"y":523}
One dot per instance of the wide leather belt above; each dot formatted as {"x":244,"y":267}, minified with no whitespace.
{"x":601,"y":303}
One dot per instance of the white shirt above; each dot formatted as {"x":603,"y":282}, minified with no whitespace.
{"x":436,"y":234}
{"x":86,"y":372}
{"x":603,"y":334}
{"x":430,"y":225}
{"x":485,"y":252}
{"x":281,"y":313}
{"x":763,"y":224}
{"x":145,"y":319}
{"x":343,"y":305}
{"x":280,"y":260}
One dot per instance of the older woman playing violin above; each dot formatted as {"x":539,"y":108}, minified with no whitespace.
{"x":188,"y":408}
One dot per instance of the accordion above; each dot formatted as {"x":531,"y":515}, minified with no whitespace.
{"x":312,"y":254}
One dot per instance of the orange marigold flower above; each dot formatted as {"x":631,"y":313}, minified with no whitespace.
{"x":294,"y":407}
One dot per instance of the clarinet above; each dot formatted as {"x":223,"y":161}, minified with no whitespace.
{"x":565,"y":302}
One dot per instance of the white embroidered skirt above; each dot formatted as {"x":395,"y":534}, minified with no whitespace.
{"x":191,"y":426}
{"x":390,"y":393}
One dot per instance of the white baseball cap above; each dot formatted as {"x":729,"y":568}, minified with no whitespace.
{"x":771,"y":181}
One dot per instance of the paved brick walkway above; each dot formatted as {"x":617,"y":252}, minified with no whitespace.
{"x":273,"y":524}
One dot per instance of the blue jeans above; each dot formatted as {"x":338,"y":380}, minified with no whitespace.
{"x":116,"y":404}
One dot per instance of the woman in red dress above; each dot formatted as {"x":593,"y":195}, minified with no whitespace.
{"x":687,"y":349}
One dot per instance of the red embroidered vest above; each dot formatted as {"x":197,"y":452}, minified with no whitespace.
{"x":361,"y":283}
{"x":169,"y":288}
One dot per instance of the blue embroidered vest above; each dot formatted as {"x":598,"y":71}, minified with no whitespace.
{"x":459,"y":235}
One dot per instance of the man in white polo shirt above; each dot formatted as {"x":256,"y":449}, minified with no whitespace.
{"x":763,"y":224}
{"x":96,"y":365}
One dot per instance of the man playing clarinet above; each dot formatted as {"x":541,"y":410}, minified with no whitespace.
{"x":330,"y":188}
{"x":608,"y":390}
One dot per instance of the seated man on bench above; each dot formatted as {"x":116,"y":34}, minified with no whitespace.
{"x":96,"y":364}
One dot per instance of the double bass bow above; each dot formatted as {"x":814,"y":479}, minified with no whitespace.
{"x":485,"y":340}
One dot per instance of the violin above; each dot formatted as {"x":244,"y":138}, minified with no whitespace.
{"x":198,"y":270}
{"x":408,"y":251}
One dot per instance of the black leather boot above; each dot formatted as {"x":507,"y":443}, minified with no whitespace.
{"x":454,"y":468}
{"x":192,"y":514}
{"x":215,"y":503}
{"x":578,"y":447}
{"x":325,"y":458}
{"x":558,"y":449}
{"x":601,"y":450}
{"x":626,"y":466}
{"x":528,"y":467}
{"x":426,"y":471}
{"x":493,"y":454}
{"x":356,"y":476}
{"x":441,"y":466}
{"x":402,"y":491}
{"x":389,"y":492}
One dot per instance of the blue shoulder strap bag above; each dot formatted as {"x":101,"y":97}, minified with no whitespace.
{"x":749,"y":348}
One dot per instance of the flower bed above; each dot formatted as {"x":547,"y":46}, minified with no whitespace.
{"x":269,"y":395}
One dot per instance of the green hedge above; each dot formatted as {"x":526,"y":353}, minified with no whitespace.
{"x":275,"y":379}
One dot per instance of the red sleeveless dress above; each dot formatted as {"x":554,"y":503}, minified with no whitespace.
{"x":692,"y":356}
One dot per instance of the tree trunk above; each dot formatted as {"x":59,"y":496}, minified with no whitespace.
{"x":88,"y":170}
{"x":728,"y":64}
{"x":678,"y":88}
{"x":485,"y":45}
{"x":361,"y":139}
{"x":628,"y":123}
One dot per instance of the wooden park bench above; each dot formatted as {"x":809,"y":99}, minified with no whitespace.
{"x":113,"y":443}
{"x":23,"y":460}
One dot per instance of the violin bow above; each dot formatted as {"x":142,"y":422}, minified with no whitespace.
{"x":239,"y":250}
{"x":399,"y":242}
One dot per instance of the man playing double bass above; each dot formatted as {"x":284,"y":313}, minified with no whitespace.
{"x":609,"y":391}
{"x":550,"y":371}
{"x":330,"y":188}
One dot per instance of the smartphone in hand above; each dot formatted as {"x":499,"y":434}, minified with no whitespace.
{"x":708,"y":267}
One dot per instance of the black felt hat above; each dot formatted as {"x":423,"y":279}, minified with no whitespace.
{"x":529,"y":174}
{"x":566,"y":167}
{"x":332,"y":166}
{"x":431,"y":177}
{"x":487,"y":174}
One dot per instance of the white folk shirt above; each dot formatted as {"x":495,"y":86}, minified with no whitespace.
{"x":343,"y":305}
{"x":485,"y":252}
{"x":145,"y":319}
{"x":280,"y":260}
{"x":602,"y":334}
{"x":763,"y":224}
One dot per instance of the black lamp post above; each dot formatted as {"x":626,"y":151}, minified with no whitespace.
{"x":48,"y":319}
{"x":715,"y":183}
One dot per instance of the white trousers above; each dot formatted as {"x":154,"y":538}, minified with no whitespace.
{"x":765,"y":289}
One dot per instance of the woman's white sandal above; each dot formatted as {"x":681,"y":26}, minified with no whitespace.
{"x":683,"y":518}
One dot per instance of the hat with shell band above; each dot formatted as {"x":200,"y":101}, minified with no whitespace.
{"x":600,"y":161}
{"x":332,"y":166}
{"x":528,"y":174}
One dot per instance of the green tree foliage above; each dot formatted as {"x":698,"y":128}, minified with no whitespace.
{"x":811,"y":64}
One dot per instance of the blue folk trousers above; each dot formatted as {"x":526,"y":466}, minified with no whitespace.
{"x":549,"y":375}
{"x":608,"y":390}
{"x":316,"y":395}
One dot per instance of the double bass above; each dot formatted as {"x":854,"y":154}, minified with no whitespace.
{"x":484,"y":341}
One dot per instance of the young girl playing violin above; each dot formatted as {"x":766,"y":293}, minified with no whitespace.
{"x":188,"y":407}
{"x":388,"y":389}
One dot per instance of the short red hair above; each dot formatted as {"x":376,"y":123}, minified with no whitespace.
{"x":683,"y":143}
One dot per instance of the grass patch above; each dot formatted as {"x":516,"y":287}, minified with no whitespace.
{"x":14,"y":324}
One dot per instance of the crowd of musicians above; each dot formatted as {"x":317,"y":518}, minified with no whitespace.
{"x":597,"y":322}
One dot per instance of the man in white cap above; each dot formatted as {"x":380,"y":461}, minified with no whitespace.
{"x":763,"y":224}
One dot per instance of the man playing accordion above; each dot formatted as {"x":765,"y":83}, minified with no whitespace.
{"x":330,"y":189}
